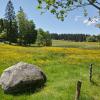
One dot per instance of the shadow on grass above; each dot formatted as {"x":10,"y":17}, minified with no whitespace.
{"x":27,"y":91}
{"x":86,"y":97}
{"x":95,"y":83}
{"x":15,"y":44}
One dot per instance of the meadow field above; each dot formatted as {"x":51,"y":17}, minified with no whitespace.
{"x":64,"y":64}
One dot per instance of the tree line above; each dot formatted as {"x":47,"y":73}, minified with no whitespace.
{"x":76,"y":37}
{"x":70,"y":37}
{"x":17,"y":28}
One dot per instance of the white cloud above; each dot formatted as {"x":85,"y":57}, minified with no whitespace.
{"x":85,"y":21}
{"x":91,"y":21}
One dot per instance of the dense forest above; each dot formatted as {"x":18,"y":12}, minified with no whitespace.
{"x":70,"y":37}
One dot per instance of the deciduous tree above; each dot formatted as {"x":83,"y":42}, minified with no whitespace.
{"x":61,"y":8}
{"x":43,"y":38}
{"x":27,"y":31}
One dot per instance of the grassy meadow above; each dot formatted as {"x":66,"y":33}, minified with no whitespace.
{"x":64,"y":64}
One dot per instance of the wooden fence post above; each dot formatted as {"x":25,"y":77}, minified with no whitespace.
{"x":78,"y":90}
{"x":90,"y":73}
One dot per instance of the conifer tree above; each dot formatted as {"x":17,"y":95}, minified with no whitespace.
{"x":1,"y":25}
{"x":12,"y":29}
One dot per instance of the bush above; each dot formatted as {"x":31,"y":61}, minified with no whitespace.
{"x":91,"y":39}
{"x":98,"y":38}
{"x":3,"y":36}
{"x":43,"y":38}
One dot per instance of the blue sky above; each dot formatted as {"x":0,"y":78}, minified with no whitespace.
{"x":72,"y":24}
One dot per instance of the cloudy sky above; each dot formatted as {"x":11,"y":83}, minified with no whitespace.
{"x":74,"y":23}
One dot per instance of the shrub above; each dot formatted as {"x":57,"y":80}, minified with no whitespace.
{"x":91,"y":39}
{"x":3,"y":36}
{"x":43,"y":38}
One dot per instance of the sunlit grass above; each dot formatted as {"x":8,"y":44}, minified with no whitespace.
{"x":86,"y":45}
{"x":63,"y":67}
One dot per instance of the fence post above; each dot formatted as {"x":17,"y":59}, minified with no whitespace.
{"x":90,"y":72}
{"x":78,"y":90}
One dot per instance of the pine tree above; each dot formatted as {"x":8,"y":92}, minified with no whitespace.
{"x":12,"y":28}
{"x":10,"y":13}
{"x":1,"y":25}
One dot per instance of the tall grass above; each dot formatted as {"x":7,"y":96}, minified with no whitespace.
{"x":63,"y":67}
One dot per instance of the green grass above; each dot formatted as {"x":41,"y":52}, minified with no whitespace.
{"x":63,"y":67}
{"x":70,"y":44}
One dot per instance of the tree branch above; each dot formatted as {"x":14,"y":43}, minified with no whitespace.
{"x":97,"y":7}
{"x":78,"y":6}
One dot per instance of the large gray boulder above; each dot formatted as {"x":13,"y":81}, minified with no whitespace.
{"x":22,"y":77}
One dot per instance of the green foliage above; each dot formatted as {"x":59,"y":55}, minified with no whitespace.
{"x":22,"y":21}
{"x":43,"y":38}
{"x":3,"y":35}
{"x":70,"y":37}
{"x":1,"y":25}
{"x":98,"y":38}
{"x":11,"y":24}
{"x":91,"y":39}
{"x":12,"y":32}
{"x":27,"y":31}
{"x":61,"y":8}
{"x":10,"y":13}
